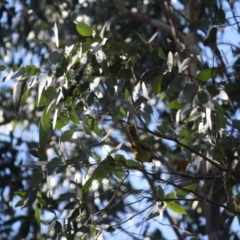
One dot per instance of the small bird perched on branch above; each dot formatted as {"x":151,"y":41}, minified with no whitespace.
{"x":140,"y":151}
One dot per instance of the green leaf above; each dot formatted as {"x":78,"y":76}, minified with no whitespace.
{"x":120,"y":113}
{"x":87,"y":185}
{"x":19,"y":203}
{"x":2,"y":68}
{"x":67,"y":135}
{"x":191,"y":187}
{"x":175,"y":104}
{"x":159,"y":193}
{"x":61,"y":123}
{"x":126,"y":94}
{"x":102,"y":170}
{"x":208,"y":73}
{"x":161,"y":54}
{"x":25,"y":96}
{"x":43,"y":136}
{"x":84,"y":29}
{"x":157,"y":84}
{"x":175,"y":207}
{"x":36,"y":179}
{"x":171,"y":196}
{"x":37,"y":215}
{"x":20,"y":194}
{"x":93,"y":126}
{"x":74,"y":118}
{"x":132,"y":163}
{"x":45,"y":120}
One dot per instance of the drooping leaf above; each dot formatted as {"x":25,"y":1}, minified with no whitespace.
{"x":184,"y":64}
{"x":157,"y":84}
{"x":93,"y":126}
{"x":161,"y":54}
{"x":43,"y":136}
{"x":18,"y":91}
{"x":45,"y":120}
{"x":170,"y":61}
{"x":55,"y":30}
{"x":37,"y":215}
{"x":211,"y":37}
{"x":36,"y":179}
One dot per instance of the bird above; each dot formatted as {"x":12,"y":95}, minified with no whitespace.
{"x":140,"y":151}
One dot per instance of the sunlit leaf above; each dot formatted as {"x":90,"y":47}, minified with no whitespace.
{"x":191,"y":187}
{"x":184,"y":65}
{"x":55,"y":30}
{"x":84,"y":29}
{"x":175,"y":207}
{"x":153,"y":37}
{"x":170,"y":61}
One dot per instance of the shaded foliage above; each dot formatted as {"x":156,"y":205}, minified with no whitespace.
{"x":65,"y":154}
